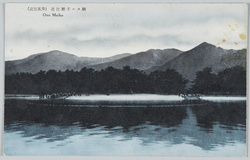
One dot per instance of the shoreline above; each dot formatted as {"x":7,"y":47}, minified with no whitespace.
{"x":128,"y":98}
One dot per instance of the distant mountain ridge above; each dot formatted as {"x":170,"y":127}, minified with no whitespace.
{"x":142,"y":60}
{"x":55,"y":60}
{"x":187,"y":63}
{"x":201,"y":56}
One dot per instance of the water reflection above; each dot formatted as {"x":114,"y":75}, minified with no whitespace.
{"x":87,"y":117}
{"x":228,"y":114}
{"x":204,"y":126}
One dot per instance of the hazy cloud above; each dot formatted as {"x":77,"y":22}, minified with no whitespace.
{"x":109,"y":29}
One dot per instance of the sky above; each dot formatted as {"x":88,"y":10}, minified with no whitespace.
{"x":108,"y":29}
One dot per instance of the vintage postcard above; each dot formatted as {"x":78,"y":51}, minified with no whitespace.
{"x":125,"y":79}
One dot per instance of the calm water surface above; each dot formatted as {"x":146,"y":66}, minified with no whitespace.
{"x":213,"y":129}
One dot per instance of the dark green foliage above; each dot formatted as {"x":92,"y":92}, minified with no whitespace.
{"x":126,"y":80}
{"x":229,"y":81}
{"x":232,"y":80}
{"x":89,"y":81}
{"x":170,"y":82}
{"x":205,"y":82}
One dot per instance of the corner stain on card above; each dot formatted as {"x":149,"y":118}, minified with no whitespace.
{"x":223,"y":40}
{"x":242,"y":36}
{"x":234,"y":28}
{"x":237,"y":26}
{"x":231,"y":27}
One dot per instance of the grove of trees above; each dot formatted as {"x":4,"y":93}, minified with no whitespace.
{"x":228,"y":81}
{"x":90,"y":81}
{"x":126,"y":81}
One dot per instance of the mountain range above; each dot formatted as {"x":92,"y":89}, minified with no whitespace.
{"x":204,"y":55}
{"x":55,"y":60}
{"x":142,"y":60}
{"x":186,"y":63}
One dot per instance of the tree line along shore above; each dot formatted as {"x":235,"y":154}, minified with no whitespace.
{"x":230,"y":81}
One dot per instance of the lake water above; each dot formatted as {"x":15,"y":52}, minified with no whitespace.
{"x":200,"y":129}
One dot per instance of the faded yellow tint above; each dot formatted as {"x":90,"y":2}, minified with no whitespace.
{"x":242,"y":36}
